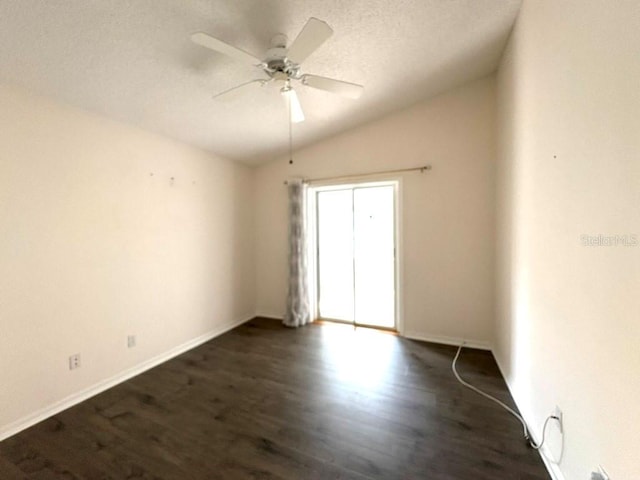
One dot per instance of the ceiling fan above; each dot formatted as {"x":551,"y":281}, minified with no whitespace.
{"x":282,"y":65}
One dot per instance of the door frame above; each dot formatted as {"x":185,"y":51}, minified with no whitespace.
{"x":313,"y":250}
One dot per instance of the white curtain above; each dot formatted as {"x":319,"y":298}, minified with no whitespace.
{"x":298,"y":309}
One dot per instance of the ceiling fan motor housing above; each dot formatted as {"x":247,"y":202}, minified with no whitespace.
{"x":277,"y":62}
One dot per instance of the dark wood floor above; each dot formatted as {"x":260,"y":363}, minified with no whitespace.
{"x":266,"y":402}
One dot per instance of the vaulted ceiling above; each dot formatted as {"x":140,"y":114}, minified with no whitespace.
{"x":132,"y":60}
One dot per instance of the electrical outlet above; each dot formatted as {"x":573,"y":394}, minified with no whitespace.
{"x":74,"y":361}
{"x":131,"y":341}
{"x":558,"y":414}
{"x":600,"y":474}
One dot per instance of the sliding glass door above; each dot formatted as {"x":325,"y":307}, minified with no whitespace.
{"x":356,"y":267}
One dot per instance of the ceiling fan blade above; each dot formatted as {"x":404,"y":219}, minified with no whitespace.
{"x":346,"y":89}
{"x":312,"y":35}
{"x":219,"y":46}
{"x":293,"y":103}
{"x":236,"y":91}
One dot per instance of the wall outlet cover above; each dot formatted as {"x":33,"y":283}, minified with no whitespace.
{"x":600,"y":474}
{"x":74,"y":361}
{"x":605,"y":475}
{"x":558,"y":413}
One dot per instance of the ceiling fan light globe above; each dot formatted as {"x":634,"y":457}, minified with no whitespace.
{"x":293,"y":103}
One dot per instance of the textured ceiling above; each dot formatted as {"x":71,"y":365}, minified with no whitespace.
{"x":132,"y":60}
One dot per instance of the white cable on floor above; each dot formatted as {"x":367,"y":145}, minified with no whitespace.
{"x":503,"y":405}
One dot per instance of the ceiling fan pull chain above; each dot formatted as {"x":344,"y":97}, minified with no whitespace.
{"x":290,"y":133}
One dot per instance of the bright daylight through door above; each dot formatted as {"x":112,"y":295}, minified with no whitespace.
{"x":356,"y":254}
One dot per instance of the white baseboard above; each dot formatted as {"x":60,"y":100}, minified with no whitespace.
{"x":275,"y":316}
{"x":479,"y":344}
{"x":456,"y":342}
{"x":552,"y":468}
{"x":11,"y":429}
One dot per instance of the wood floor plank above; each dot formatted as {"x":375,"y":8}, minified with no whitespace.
{"x":267,"y":402}
{"x":10,"y":471}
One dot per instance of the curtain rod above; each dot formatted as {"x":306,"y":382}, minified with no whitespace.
{"x":402,"y":170}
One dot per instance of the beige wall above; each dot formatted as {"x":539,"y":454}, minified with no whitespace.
{"x":568,"y":315}
{"x":93,"y":248}
{"x":447,"y":215}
